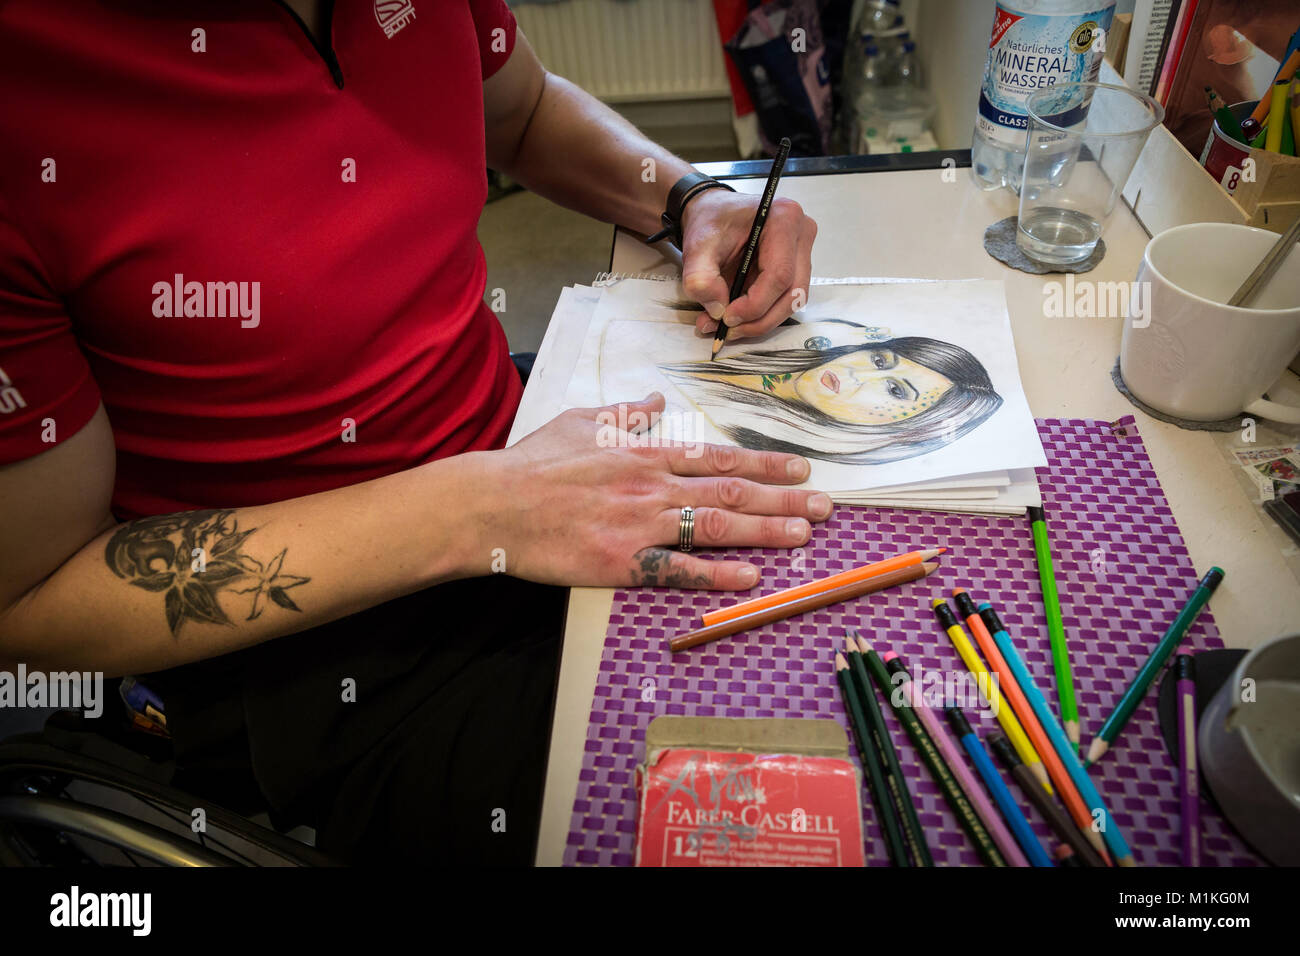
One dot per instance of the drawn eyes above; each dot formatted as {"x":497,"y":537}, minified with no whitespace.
{"x":883,"y":360}
{"x":896,"y":390}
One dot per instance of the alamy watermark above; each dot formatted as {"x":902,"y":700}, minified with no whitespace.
{"x":1086,"y":299}
{"x":67,"y":690}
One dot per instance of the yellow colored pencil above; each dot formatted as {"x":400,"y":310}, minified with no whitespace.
{"x":1276,"y":109}
{"x":1006,"y":716}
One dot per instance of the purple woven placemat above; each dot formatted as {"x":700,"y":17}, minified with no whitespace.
{"x":1122,"y":570}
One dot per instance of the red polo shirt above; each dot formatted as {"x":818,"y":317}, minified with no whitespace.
{"x":260,"y":254}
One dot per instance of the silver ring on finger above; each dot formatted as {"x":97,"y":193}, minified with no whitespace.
{"x":686,"y":529}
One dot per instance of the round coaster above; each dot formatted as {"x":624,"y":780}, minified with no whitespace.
{"x":1000,"y":243}
{"x":1224,"y":425}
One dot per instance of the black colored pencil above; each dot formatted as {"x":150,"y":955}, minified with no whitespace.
{"x":952,"y":791}
{"x":870,"y":761}
{"x":751,"y":245}
{"x":913,"y":834}
{"x":1031,"y":787}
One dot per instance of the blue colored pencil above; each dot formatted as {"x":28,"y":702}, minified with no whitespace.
{"x":1007,"y":805}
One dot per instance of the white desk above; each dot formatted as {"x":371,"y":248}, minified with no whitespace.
{"x":914,"y":224}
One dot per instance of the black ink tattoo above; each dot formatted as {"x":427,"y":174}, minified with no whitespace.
{"x":655,"y":569}
{"x":194,"y":556}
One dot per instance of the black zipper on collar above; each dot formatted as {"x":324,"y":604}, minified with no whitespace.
{"x":326,"y":52}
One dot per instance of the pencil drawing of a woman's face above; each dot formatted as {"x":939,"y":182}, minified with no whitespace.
{"x":872,"y":386}
{"x":864,"y":403}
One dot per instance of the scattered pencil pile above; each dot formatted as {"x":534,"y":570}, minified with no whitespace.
{"x":1040,"y":752}
{"x":1033,"y":747}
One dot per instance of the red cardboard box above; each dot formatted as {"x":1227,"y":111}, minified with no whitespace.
{"x":716,"y":807}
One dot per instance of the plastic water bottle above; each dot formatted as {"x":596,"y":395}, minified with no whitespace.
{"x":907,"y":71}
{"x":867,"y":93}
{"x":1034,"y":44}
{"x":879,"y":15}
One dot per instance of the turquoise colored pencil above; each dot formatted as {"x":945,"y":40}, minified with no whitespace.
{"x":1110,"y":831}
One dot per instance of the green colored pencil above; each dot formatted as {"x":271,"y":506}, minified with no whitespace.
{"x":1148,"y":671}
{"x":952,"y":791}
{"x":913,"y":834}
{"x":1055,"y":630}
{"x":867,"y":751}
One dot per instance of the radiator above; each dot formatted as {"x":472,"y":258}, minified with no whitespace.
{"x":629,"y":50}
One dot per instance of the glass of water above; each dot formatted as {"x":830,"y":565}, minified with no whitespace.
{"x":1082,"y":142}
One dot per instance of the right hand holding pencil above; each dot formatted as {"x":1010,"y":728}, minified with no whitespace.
{"x":589,"y":500}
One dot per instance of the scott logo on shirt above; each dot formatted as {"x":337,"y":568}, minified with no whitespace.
{"x":393,"y":15}
{"x":181,"y":299}
{"x":10,"y":397}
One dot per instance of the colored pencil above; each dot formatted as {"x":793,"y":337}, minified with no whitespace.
{"x":759,"y":618}
{"x":870,"y":762}
{"x":1011,"y":812}
{"x":1286,"y":72}
{"x":948,"y":753}
{"x":1009,"y":680}
{"x":1098,"y":815}
{"x":1295,"y":107}
{"x":1189,"y":783}
{"x":1055,"y":628}
{"x":733,"y":611}
{"x":948,"y":785}
{"x":1060,"y":822}
{"x":1276,"y":116}
{"x":913,"y":834}
{"x":751,"y":244}
{"x":1128,"y":703}
{"x":988,"y":687}
{"x":1222,"y":115}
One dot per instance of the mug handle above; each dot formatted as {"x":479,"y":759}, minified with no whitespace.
{"x":1274,"y":411}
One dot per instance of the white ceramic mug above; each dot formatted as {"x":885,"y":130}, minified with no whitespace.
{"x":1189,"y":355}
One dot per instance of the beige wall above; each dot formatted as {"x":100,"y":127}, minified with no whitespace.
{"x":953,"y":39}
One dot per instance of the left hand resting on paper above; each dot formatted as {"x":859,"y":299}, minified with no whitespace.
{"x":715,"y":228}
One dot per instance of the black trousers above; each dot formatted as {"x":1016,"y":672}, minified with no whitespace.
{"x":415,"y":732}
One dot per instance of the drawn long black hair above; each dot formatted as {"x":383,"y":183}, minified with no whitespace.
{"x":761,"y":420}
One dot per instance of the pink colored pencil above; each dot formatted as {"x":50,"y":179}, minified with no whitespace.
{"x":948,"y":750}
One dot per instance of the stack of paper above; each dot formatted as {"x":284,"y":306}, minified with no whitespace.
{"x":902,"y":394}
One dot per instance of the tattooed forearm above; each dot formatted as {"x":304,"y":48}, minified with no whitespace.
{"x":655,"y":568}
{"x":193,"y":557}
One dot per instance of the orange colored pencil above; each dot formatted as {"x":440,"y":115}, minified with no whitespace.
{"x":851,"y":576}
{"x":809,"y":602}
{"x":1287,"y":72}
{"x":1028,"y":719}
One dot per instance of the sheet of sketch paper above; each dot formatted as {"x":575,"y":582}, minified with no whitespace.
{"x":879,"y":385}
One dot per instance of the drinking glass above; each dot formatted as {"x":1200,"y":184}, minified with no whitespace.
{"x":1082,"y":142}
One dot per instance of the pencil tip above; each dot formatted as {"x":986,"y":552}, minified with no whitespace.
{"x":929,"y":566}
{"x":956,"y":591}
{"x":840,"y":662}
{"x":863,"y":646}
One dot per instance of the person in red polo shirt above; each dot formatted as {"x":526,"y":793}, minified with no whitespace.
{"x":253,"y":407}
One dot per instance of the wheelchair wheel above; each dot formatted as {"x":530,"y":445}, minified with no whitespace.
{"x":67,"y":809}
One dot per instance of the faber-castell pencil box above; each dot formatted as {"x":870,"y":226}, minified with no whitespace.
{"x":748,"y":792}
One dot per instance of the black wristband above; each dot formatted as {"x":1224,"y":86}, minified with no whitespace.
{"x":683,"y":191}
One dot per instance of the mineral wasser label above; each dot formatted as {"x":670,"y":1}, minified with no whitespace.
{"x":1030,"y":52}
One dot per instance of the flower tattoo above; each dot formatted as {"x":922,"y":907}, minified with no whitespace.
{"x":194,"y":556}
